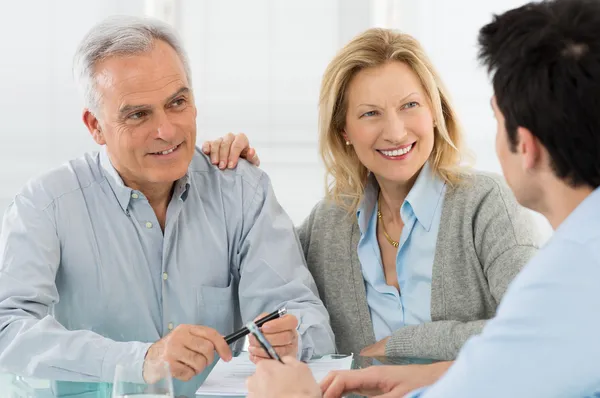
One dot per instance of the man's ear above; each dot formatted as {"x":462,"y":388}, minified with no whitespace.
{"x":93,"y":125}
{"x":529,"y":147}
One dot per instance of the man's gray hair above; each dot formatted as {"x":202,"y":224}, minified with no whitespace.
{"x":120,"y":36}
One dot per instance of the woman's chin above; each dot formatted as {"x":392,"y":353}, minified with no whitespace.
{"x":398,"y":174}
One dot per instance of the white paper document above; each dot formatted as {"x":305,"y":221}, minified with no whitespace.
{"x":229,"y":378}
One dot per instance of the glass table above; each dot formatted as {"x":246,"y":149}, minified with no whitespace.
{"x":13,"y":386}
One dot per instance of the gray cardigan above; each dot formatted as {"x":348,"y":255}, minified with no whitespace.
{"x":484,"y":240}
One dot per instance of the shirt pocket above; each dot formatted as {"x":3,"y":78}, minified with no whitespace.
{"x":219,"y":307}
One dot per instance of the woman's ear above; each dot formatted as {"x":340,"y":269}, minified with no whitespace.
{"x":346,"y":138}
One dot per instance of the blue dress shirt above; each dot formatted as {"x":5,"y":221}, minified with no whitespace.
{"x":421,"y":213}
{"x":88,"y":279}
{"x":544,"y":340}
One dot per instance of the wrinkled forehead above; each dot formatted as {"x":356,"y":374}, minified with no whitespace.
{"x":149,"y":77}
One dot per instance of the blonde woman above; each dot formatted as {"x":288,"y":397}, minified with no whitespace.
{"x":411,"y":252}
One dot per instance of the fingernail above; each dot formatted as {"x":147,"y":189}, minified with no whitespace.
{"x":221,"y":164}
{"x":231,"y":165}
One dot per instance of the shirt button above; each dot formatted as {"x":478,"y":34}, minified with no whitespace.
{"x":135,"y":195}
{"x":148,"y":225}
{"x":165,"y":276}
{"x":170,"y":325}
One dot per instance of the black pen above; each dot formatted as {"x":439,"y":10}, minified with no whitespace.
{"x":235,"y":336}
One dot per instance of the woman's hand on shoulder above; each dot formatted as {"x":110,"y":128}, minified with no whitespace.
{"x":227,"y":150}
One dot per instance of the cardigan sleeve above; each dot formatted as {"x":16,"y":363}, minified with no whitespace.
{"x":505,"y":239}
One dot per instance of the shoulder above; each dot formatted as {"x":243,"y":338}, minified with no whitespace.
{"x":478,"y":185}
{"x":249,"y":175}
{"x":69,"y":178}
{"x":327,"y":221}
{"x":482,"y":193}
{"x":326,"y":213}
{"x":562,"y":254}
{"x":568,"y":271}
{"x":484,"y":203}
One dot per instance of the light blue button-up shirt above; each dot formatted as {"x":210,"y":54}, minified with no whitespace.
{"x":421,"y":213}
{"x":545,"y":338}
{"x":88,"y":279}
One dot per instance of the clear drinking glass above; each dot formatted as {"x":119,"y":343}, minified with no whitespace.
{"x":159,"y":382}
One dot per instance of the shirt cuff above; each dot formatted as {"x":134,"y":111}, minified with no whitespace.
{"x":299,"y":352}
{"x":131,"y":356}
{"x":304,"y":353}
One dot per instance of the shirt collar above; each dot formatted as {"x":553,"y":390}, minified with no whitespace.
{"x":182,"y":187}
{"x":367,"y":204}
{"x":425,"y":195}
{"x":581,"y":224}
{"x":423,"y":198}
{"x":123,"y":192}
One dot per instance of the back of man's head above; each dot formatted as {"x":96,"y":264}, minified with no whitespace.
{"x":545,"y":62}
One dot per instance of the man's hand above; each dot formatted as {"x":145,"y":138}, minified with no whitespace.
{"x":188,"y":349}
{"x":292,"y":379}
{"x":282,"y":335}
{"x":382,"y":381}
{"x":375,"y":350}
{"x":225,"y":151}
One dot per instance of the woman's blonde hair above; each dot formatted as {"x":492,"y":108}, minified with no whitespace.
{"x":346,"y":176}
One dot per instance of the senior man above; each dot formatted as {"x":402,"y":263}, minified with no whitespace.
{"x":153,"y":252}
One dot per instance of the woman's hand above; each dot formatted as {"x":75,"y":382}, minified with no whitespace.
{"x":226,"y":151}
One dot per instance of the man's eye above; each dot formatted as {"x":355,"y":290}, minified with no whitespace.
{"x":137,"y":115}
{"x":179,"y":102}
